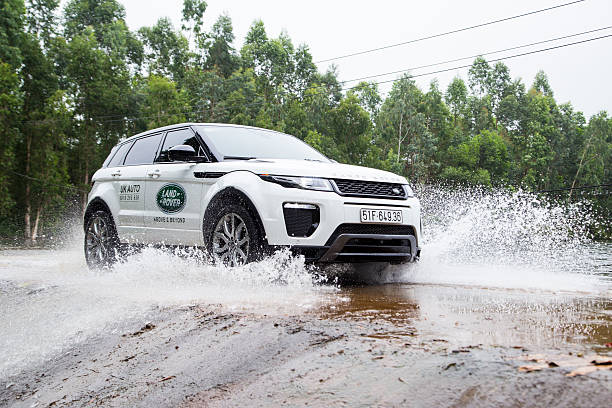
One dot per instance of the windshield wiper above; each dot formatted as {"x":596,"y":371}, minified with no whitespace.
{"x":238,"y":158}
{"x":317,"y":160}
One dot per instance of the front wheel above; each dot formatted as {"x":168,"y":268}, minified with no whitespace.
{"x":101,"y":242}
{"x":233,"y":237}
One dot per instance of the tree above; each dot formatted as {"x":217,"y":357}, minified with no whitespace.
{"x":164,"y":105}
{"x":106,"y":20}
{"x":38,"y":86}
{"x":10,"y":104}
{"x":403,"y":124}
{"x":12,"y":18}
{"x":368,"y":96}
{"x":479,"y":77}
{"x":540,"y":84}
{"x":221,"y":55}
{"x":483,"y":159}
{"x":456,"y":98}
{"x":349,"y":126}
{"x":41,"y":19}
{"x":166,"y":51}
{"x":596,"y":153}
{"x":193,"y":18}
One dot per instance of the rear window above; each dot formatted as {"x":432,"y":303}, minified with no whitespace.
{"x":110,"y":156}
{"x":143,"y":151}
{"x":117,"y":159}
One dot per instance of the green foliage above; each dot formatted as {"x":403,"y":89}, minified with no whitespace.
{"x":166,"y":51}
{"x":482,"y":159}
{"x":221,"y":55}
{"x":10,"y":102}
{"x":164,"y":104}
{"x":12,"y":18}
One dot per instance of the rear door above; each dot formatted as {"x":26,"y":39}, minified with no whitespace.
{"x":173,"y":195}
{"x":129,"y":183}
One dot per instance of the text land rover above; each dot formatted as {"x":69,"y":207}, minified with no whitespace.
{"x":238,"y":191}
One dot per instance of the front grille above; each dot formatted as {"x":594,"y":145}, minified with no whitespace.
{"x":370,"y":229}
{"x":359,"y":188}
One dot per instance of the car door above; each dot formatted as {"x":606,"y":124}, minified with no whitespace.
{"x":173,"y":195}
{"x":129,"y":184}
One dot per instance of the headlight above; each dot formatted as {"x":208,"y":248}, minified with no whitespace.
{"x":408,"y":190}
{"x":307,"y":183}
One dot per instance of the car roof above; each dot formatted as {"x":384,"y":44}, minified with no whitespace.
{"x":182,"y":125}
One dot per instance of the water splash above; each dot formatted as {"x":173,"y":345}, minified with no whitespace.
{"x":50,"y":301}
{"x":500,"y":238}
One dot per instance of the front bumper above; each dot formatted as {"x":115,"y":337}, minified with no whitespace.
{"x":340,"y":235}
{"x":353,"y":243}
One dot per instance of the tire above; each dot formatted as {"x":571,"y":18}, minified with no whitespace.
{"x":232,"y":235}
{"x":101,"y":244}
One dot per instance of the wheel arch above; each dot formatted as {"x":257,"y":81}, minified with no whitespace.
{"x":97,"y":204}
{"x":234,"y":195}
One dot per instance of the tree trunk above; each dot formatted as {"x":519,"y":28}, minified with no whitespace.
{"x":28,"y":191}
{"x":569,"y":197}
{"x":86,"y":181}
{"x":399,"y":139}
{"x":86,"y":172}
{"x":37,"y":223}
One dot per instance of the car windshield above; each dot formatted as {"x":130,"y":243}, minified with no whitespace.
{"x":238,"y":143}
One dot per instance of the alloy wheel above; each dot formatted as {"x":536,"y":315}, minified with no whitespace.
{"x":98,"y":244}
{"x":231,"y":240}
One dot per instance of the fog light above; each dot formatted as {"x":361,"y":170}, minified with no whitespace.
{"x":301,"y":220}
{"x":300,"y":206}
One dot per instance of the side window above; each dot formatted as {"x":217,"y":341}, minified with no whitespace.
{"x":143,"y":151}
{"x":117,"y":159}
{"x":180,"y":137}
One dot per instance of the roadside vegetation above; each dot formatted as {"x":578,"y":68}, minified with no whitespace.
{"x":75,"y":81}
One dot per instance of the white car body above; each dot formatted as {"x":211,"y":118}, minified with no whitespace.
{"x":132,"y":196}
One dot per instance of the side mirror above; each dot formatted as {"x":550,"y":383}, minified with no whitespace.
{"x":184,"y":153}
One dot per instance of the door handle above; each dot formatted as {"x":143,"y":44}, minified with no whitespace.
{"x":116,"y":173}
{"x":155,"y":173}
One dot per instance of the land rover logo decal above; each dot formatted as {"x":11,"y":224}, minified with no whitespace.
{"x":171,"y":198}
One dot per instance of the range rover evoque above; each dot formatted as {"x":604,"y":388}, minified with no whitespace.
{"x":239,"y":191}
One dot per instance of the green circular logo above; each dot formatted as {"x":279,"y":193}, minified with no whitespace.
{"x":171,"y":198}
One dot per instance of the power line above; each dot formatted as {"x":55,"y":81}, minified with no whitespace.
{"x":607,"y":186}
{"x":429,"y":37}
{"x":493,"y":60}
{"x":71,"y":187}
{"x":478,"y":55}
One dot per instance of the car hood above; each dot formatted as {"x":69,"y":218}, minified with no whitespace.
{"x":284,"y":167}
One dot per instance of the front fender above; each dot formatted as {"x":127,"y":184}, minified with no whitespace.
{"x":249,"y":184}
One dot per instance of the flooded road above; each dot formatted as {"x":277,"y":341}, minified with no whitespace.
{"x":507,"y":307}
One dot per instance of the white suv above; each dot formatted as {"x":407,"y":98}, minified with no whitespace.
{"x":240,"y":191}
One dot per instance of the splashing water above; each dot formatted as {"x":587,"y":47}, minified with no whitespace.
{"x":51,"y":301}
{"x":506,"y":239}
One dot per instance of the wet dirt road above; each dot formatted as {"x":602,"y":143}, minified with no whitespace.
{"x":139,"y":336}
{"x":510,"y":306}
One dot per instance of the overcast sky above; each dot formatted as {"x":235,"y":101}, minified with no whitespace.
{"x":581,"y":74}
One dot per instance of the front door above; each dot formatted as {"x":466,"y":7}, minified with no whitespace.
{"x":173,"y":196}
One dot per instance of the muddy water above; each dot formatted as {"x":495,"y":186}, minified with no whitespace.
{"x":462,"y":316}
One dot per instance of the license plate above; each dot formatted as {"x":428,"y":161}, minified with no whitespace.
{"x":381,"y":216}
